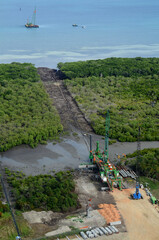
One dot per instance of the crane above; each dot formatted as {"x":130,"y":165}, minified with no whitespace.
{"x":107,"y":126}
{"x":108,"y":172}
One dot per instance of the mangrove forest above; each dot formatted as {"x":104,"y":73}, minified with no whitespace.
{"x":127,"y":87}
{"x":27,"y":115}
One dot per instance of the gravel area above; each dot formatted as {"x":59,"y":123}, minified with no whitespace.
{"x":61,"y":229}
{"x":38,"y":217}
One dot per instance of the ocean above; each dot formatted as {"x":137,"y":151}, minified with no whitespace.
{"x":112,"y":28}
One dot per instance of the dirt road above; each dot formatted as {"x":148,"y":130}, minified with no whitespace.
{"x":141,"y":217}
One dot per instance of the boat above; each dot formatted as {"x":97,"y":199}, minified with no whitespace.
{"x":74,"y":25}
{"x":32,"y":23}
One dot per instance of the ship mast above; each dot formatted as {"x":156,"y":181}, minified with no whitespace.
{"x":34,"y":16}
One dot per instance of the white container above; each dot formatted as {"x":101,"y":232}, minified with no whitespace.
{"x":100,"y":232}
{"x":112,"y":229}
{"x":108,"y":230}
{"x":103,"y":230}
{"x":91,"y":236}
{"x":116,"y":230}
{"x":107,"y":233}
{"x":94,"y":233}
{"x":83,"y":235}
{"x":115,"y":223}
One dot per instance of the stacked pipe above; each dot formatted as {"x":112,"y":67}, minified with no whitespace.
{"x":148,"y":193}
{"x":83,"y":235}
{"x":99,"y":231}
{"x":123,"y":186}
{"x":124,"y":172}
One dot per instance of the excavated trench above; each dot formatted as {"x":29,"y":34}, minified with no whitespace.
{"x":65,"y":104}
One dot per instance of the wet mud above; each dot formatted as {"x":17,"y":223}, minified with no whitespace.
{"x":67,"y":154}
{"x":46,"y":158}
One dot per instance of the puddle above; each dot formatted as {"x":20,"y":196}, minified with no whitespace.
{"x":45,"y":158}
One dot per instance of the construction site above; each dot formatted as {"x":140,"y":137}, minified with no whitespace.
{"x":113,"y":203}
{"x":104,"y":213}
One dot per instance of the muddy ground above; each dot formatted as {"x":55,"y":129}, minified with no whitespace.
{"x":65,"y":104}
{"x":70,"y":152}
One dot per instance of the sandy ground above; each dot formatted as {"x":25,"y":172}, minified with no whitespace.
{"x":140,"y":216}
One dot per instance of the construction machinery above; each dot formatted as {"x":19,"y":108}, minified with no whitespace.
{"x":108,"y":172}
{"x":137,"y":195}
{"x":153,"y":200}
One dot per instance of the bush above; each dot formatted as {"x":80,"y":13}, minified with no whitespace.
{"x":45,"y":192}
{"x":4,"y":207}
{"x":148,"y":162}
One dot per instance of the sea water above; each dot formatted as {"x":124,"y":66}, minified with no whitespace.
{"x":111,"y":28}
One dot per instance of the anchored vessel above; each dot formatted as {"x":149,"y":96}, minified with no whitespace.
{"x":32,"y":23}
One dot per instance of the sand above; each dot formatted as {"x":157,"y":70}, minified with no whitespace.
{"x":140,"y":216}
